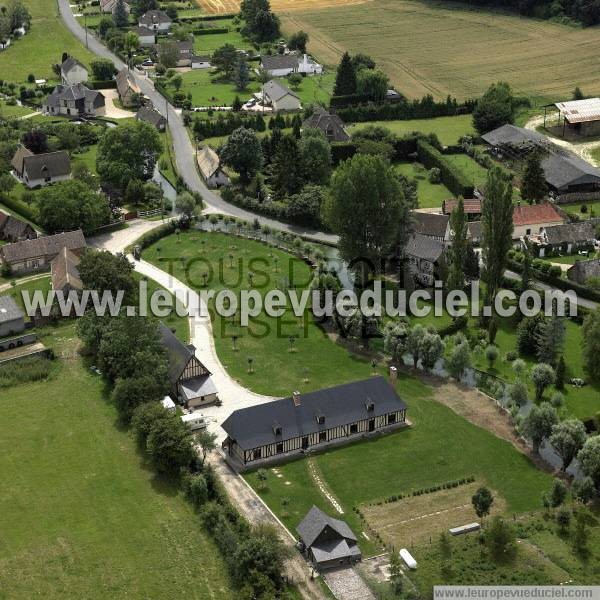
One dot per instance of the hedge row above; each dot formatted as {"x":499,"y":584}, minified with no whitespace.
{"x":348,"y":100}
{"x":206,"y":18}
{"x":403,"y":148}
{"x":428,"y":490}
{"x":564,"y":285}
{"x":426,"y":108}
{"x":211,"y":31}
{"x":19,"y":207}
{"x":454,"y":179}
{"x":101,"y":85}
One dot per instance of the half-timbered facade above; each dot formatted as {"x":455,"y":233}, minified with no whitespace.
{"x":277,"y":430}
{"x":190,"y":381}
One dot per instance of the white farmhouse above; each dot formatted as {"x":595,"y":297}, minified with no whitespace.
{"x":279,"y":97}
{"x":72,"y":72}
{"x":37,"y":170}
{"x":210,"y":167}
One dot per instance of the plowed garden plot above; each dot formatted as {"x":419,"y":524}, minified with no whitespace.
{"x":417,"y":519}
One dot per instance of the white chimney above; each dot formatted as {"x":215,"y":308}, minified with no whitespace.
{"x":296,"y":398}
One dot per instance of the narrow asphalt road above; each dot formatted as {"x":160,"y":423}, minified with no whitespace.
{"x":182,"y":145}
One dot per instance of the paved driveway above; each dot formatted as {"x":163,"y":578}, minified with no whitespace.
{"x":232,"y":394}
{"x":347,"y":584}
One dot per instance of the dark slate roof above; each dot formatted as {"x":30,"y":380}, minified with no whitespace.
{"x":279,"y":61}
{"x":331,"y":125}
{"x":153,"y":17}
{"x":150,"y":116}
{"x":43,"y":246}
{"x":178,"y":353}
{"x":205,"y":58}
{"x":475,"y":229}
{"x":69,"y":63}
{"x":431,"y":224}
{"x":50,"y":164}
{"x":583,"y":270}
{"x":514,"y":136}
{"x":581,"y":231}
{"x":329,"y":550}
{"x":12,"y":228}
{"x":9,"y":310}
{"x":74,"y":92}
{"x":562,"y":168}
{"x":253,"y":426}
{"x":144,"y":32}
{"x":424,"y":247}
{"x":315,"y":521}
{"x":275,"y":91}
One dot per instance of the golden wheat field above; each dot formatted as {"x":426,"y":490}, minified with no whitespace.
{"x":215,"y":7}
{"x":442,"y":48}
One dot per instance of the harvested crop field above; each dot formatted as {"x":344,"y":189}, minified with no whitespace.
{"x":418,"y":519}
{"x":218,"y":7}
{"x":439,"y":48}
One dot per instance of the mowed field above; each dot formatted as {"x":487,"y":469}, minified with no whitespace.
{"x":41,"y":47}
{"x":442,"y":48}
{"x":82,"y":514}
{"x":218,"y":7}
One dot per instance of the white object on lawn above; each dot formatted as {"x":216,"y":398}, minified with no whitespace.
{"x":407,"y":557}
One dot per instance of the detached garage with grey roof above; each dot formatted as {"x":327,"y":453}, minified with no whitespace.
{"x":327,"y":542}
{"x":278,"y":430}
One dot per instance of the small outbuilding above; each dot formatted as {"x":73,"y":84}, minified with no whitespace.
{"x":152,"y":116}
{"x":12,"y":319}
{"x":210,"y":168}
{"x":327,"y":542}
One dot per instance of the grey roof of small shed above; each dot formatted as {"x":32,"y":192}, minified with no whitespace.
{"x":581,"y":231}
{"x":425,"y":247}
{"x":315,"y":521}
{"x":9,"y":310}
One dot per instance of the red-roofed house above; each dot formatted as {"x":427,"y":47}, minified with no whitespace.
{"x":472,"y":207}
{"x":531,"y":219}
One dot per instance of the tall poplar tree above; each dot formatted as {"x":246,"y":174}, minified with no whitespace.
{"x":458,"y":250}
{"x":497,"y":226}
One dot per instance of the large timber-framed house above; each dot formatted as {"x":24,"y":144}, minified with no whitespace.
{"x":279,"y":430}
{"x":190,"y":381}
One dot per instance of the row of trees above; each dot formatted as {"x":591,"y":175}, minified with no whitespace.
{"x":130,"y":354}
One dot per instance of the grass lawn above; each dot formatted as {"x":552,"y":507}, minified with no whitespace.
{"x":430,"y":195}
{"x":443,"y":48}
{"x":8,"y":111}
{"x":276,"y":370}
{"x":208,"y":43}
{"x":475,"y":173}
{"x":448,"y":129}
{"x":592,"y":209}
{"x":418,"y":457}
{"x":42,"y":46}
{"x":82,"y":514}
{"x":208,"y":89}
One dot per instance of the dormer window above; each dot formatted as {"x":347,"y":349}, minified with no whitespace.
{"x":369,"y":405}
{"x":320,"y":418}
{"x":276,"y":429}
